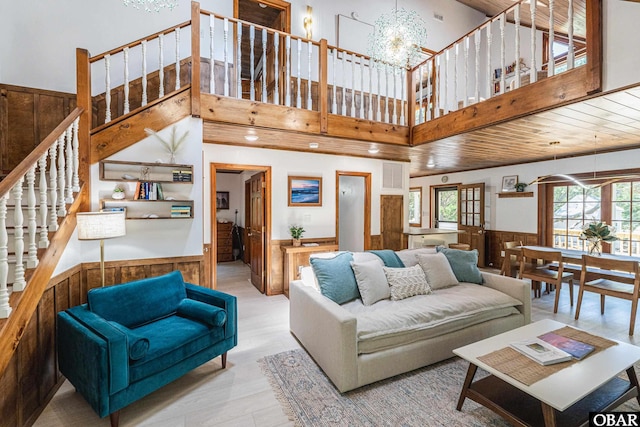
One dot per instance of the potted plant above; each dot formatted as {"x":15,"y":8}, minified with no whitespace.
{"x":296,"y":232}
{"x":118,"y":193}
{"x":520,"y":186}
{"x":597,"y":232}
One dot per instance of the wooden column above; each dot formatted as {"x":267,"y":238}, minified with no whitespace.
{"x":323,"y":87}
{"x":83,"y":101}
{"x":593,"y":82}
{"x":195,"y":59}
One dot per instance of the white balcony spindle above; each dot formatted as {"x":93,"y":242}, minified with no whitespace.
{"x":298,"y":80}
{"x":353,"y":85}
{"x":264,"y":65}
{"x":395,"y":97}
{"x":287,"y":98}
{"x":334,"y":103}
{"x":19,"y":282}
{"x":344,"y":84}
{"x":361,"y":67}
{"x":252,"y":58}
{"x":161,"y":65}
{"x":32,"y":224}
{"x":502,"y":53}
{"x":436,"y":95}
{"x":177,"y":33}
{"x":420,"y":95}
{"x":309,"y":62}
{"x":225,"y":41}
{"x":144,"y":73}
{"x":445,"y":87}
{"x":75,"y":187}
{"x":62,"y":207}
{"x":551,"y":66}
{"x":430,"y":95}
{"x":403,"y":79}
{"x":386,"y":93}
{"x":455,"y":75}
{"x":68,"y":196}
{"x":517,"y":59}
{"x":378,"y":96}
{"x":125,"y":53}
{"x":5,"y":308}
{"x":533,"y":72}
{"x":107,"y":88}
{"x":477,"y":39}
{"x":570,"y":52}
{"x":490,"y":75}
{"x":212,"y":50}
{"x":370,"y":70}
{"x":53,"y":186}
{"x":276,"y":71}
{"x":44,"y":218}
{"x":465,"y":90}
{"x":238,"y":62}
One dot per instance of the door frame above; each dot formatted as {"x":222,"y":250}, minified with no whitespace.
{"x":266,"y":262}
{"x":276,"y":4}
{"x":367,"y":205}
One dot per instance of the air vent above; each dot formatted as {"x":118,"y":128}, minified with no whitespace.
{"x":392,"y":175}
{"x":438,"y":17}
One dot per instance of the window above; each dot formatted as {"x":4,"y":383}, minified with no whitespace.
{"x":560,"y":50}
{"x":415,"y":207}
{"x":568,"y":207}
{"x":446,"y":207}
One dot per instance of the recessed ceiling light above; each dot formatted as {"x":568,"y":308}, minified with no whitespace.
{"x":251,"y":137}
{"x":262,"y":5}
{"x":313,"y":145}
{"x":374,"y":150}
{"x":431,"y":165}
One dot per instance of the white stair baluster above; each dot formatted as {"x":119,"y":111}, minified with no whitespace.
{"x":239,"y":63}
{"x":44,"y":211}
{"x":309,"y":82}
{"x":69,"y":166}
{"x":107,"y":88}
{"x":430,"y":95}
{"x":455,"y":76}
{"x":19,"y":282}
{"x":465,"y":100}
{"x":353,"y":85}
{"x":386,"y":93}
{"x":477,"y":39}
{"x":445,"y":88}
{"x":32,"y":224}
{"x":490,"y":75}
{"x":516,"y":12}
{"x":334,"y":103}
{"x":551,"y":66}
{"x":62,"y":207}
{"x":344,"y":85}
{"x":502,"y":54}
{"x":420,"y":95}
{"x":264,"y":65}
{"x":161,"y":65}
{"x":53,"y":186}
{"x":361,"y":87}
{"x":370,"y":108}
{"x":533,"y":72}
{"x":177,"y":32}
{"x":212,"y":56}
{"x":126,"y":80}
{"x":76,"y":156}
{"x":252,"y":67}
{"x":287,"y":72}
{"x":395,"y":96}
{"x":298,"y":90}
{"x":225,"y":38}
{"x":570,"y":52}
{"x":144,"y":72}
{"x":436,"y":95}
{"x":5,"y":308}
{"x":276,"y":70}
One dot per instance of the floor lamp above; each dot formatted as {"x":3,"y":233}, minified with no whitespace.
{"x":100,"y":226}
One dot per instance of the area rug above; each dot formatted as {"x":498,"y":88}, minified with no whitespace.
{"x":424,"y":397}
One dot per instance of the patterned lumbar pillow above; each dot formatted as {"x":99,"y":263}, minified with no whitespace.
{"x":406,"y":282}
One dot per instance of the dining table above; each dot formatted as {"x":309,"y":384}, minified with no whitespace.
{"x":572,"y":260}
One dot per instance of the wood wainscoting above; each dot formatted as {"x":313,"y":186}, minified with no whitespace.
{"x":277,"y":261}
{"x":495,"y":240}
{"x":32,"y":377}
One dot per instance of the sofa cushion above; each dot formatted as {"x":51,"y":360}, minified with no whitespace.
{"x":335,"y":277}
{"x":136,"y":303}
{"x":203,"y":312}
{"x":408,"y":256}
{"x":406,"y":282}
{"x":389,"y":324}
{"x":437,"y":269}
{"x":137,"y":344}
{"x":389,"y":258}
{"x":172,"y":340}
{"x":371,"y":280}
{"x":464,"y":264}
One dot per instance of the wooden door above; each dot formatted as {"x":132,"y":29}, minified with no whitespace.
{"x":246,"y":256}
{"x":471,"y":218}
{"x":392,"y":222}
{"x":256,"y":234}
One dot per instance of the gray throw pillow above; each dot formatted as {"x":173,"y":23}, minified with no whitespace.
{"x":438,"y":270}
{"x":406,"y":282}
{"x":372,"y":282}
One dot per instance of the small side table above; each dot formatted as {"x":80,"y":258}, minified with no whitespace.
{"x":298,"y":256}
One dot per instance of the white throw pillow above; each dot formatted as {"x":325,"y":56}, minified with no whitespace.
{"x":438,"y":270}
{"x":371,"y":280}
{"x":406,"y":282}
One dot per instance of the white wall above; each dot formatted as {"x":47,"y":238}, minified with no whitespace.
{"x":521,"y":214}
{"x":621,"y":38}
{"x":234,"y":184}
{"x":317,"y":221}
{"x":351,"y":199}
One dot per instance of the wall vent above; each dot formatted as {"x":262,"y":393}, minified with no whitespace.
{"x":392,"y":175}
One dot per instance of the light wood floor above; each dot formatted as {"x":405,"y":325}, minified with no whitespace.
{"x":240,"y":395}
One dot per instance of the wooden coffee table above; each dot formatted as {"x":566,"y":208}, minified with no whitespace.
{"x":564,"y":398}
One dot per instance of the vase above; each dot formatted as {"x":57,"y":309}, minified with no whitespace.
{"x":595,"y":247}
{"x":117,"y":195}
{"x":296,"y":242}
{"x":172,"y":159}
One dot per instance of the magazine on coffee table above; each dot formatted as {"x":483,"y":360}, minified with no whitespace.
{"x":577,"y":349}
{"x":541,"y":351}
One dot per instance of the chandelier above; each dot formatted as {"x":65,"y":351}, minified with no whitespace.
{"x":397,"y":38}
{"x":149,"y":5}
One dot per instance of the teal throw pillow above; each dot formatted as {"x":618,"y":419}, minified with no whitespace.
{"x":464,"y":264}
{"x":335,"y":277}
{"x":138,"y":345}
{"x":206,"y":313}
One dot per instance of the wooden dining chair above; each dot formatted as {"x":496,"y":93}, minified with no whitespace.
{"x":510,"y":263}
{"x":613,"y":277}
{"x":551,"y":271}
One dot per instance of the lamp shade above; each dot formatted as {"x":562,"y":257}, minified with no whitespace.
{"x":100,"y":225}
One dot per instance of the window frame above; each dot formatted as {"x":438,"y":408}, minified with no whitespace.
{"x":416,"y":190}
{"x":433,"y":208}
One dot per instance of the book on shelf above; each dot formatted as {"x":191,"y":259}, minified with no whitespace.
{"x":577,"y":349}
{"x":182,"y":175}
{"x":180,"y":211}
{"x":540,"y":351}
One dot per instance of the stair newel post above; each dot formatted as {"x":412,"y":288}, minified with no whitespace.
{"x":19,"y":282}
{"x":5,"y":308}
{"x":62,"y":207}
{"x":32,"y":225}
{"x":83,"y":83}
{"x":53,"y":186}
{"x":195,"y":59}
{"x":44,"y":218}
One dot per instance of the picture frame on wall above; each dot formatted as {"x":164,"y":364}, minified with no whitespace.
{"x":509,"y":183}
{"x":222,"y":200}
{"x":305,"y":191}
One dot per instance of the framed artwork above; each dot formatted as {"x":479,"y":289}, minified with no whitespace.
{"x":509,"y":183}
{"x":305,"y":191}
{"x":222,"y":200}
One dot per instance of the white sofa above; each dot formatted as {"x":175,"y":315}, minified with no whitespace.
{"x":357,"y":345}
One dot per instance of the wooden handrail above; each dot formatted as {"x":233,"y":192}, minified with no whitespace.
{"x":19,"y":171}
{"x":139,"y":41}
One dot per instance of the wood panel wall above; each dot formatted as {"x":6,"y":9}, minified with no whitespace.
{"x":27,"y":116}
{"x":32,"y":377}
{"x":495,"y":240}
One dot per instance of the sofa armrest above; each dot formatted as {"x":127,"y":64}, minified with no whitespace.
{"x":93,"y":355}
{"x":516,"y":288}
{"x":327,"y":332}
{"x":219,"y":299}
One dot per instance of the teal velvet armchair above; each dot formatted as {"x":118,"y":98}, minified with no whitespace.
{"x":131,"y":339}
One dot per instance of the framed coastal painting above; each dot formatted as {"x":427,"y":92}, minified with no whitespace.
{"x":305,"y":191}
